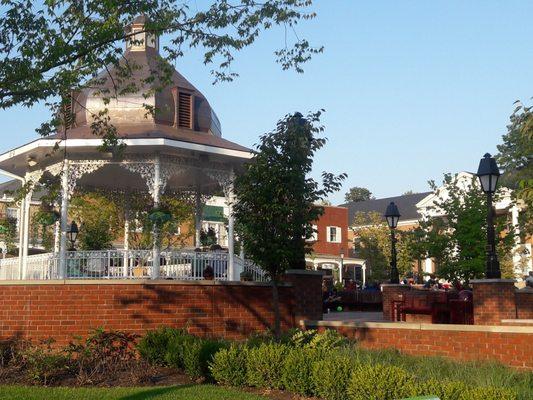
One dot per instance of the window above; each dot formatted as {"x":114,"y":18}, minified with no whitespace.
{"x":334,"y":234}
{"x":184,"y":110}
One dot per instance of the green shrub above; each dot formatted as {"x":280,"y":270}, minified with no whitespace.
{"x":381,"y":382}
{"x":331,"y":374}
{"x":265,"y":364}
{"x":297,"y":370}
{"x":174,"y":357}
{"x":452,"y":390}
{"x":328,"y":339}
{"x":456,"y":390}
{"x":102,"y":354}
{"x":44,"y":364}
{"x":154,"y":346}
{"x":303,"y":338}
{"x":488,"y":393}
{"x":197,"y":354}
{"x":229,"y":366}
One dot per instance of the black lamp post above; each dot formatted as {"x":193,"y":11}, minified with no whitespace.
{"x":488,"y":174}
{"x":72,"y":234}
{"x":392,"y":214}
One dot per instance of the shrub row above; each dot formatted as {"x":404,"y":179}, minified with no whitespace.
{"x":303,"y":362}
{"x":101,"y":357}
{"x":323,"y":365}
{"x":176,"y":348}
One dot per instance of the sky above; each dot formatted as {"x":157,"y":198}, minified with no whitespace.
{"x":411,"y":89}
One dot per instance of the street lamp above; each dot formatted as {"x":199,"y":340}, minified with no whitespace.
{"x":488,"y":174}
{"x":72,"y":234}
{"x":392,"y":214}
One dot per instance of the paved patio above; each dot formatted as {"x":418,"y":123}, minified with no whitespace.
{"x":354,"y":316}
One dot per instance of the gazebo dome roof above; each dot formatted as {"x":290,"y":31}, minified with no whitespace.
{"x":174,"y":101}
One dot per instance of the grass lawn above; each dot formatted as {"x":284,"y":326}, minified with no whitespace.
{"x":184,"y":392}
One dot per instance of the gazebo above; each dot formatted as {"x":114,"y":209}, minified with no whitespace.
{"x":177,"y":147}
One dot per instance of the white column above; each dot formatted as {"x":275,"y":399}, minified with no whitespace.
{"x":231,"y":231}
{"x":364,"y":275}
{"x":428,"y":268}
{"x":57,"y":230}
{"x":22,"y":217}
{"x":517,"y":256}
{"x":26,"y":234}
{"x":198,"y":218}
{"x":125,"y":262}
{"x":241,"y":251}
{"x":64,"y":222}
{"x":340,"y":271}
{"x":156,"y":250}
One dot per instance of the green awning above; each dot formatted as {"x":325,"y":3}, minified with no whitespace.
{"x":213,"y":214}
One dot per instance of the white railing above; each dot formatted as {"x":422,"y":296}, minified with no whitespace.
{"x":131,"y":264}
{"x":253,"y":271}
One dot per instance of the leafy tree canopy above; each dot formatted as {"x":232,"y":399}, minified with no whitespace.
{"x":356,"y":194}
{"x":373,"y":243}
{"x":515,"y":159}
{"x":48,"y":49}
{"x":455,"y":232}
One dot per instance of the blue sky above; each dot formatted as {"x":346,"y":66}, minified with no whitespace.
{"x":411,"y":89}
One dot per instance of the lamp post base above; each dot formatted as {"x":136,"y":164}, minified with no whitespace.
{"x":493,"y":268}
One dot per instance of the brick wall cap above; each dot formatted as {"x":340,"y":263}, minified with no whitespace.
{"x":143,"y":282}
{"x":304,"y":272}
{"x":395,"y":285}
{"x":474,"y":281}
{"x":421,"y":326}
{"x":518,"y":321}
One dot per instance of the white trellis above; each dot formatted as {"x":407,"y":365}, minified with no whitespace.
{"x":156,"y":172}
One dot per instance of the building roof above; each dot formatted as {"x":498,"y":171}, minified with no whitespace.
{"x":8,"y":188}
{"x":153,"y":85}
{"x":156,"y":131}
{"x":406,"y":204}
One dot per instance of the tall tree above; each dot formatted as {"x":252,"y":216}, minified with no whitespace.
{"x":277,"y":201}
{"x":356,"y":194}
{"x":515,"y":157}
{"x":51,"y":48}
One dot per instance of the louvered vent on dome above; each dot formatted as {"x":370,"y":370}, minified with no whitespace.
{"x":185,"y":110}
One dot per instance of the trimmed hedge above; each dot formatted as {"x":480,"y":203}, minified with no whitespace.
{"x":381,"y":382}
{"x":297,"y":374}
{"x":331,"y":375}
{"x":311,"y":364}
{"x":229,"y":366}
{"x":264,"y":365}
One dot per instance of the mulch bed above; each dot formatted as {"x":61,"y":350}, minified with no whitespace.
{"x":146,"y":376}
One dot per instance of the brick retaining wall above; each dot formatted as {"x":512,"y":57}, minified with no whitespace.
{"x":524,"y":303}
{"x":62,"y":309}
{"x":512,"y":346}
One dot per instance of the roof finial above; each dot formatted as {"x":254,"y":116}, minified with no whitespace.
{"x":143,"y":40}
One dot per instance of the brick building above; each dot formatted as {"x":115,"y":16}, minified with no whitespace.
{"x":332,"y":249}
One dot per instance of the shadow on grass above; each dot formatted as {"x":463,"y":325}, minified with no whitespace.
{"x":155,"y":392}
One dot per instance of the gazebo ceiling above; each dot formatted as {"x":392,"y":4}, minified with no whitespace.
{"x":43,"y":152}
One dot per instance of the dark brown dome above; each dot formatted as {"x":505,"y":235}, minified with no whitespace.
{"x":178,"y":104}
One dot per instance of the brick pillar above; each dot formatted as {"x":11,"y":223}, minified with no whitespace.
{"x":307,"y":292}
{"x":494,"y":300}
{"x":392,"y":292}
